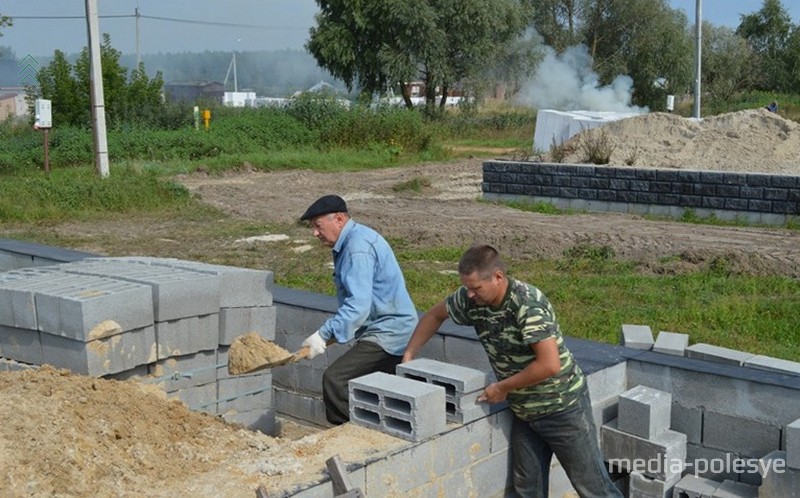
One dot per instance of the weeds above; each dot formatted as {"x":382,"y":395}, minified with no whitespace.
{"x":414,"y":185}
{"x":596,"y":146}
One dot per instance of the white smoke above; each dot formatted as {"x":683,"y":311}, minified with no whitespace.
{"x":566,"y":82}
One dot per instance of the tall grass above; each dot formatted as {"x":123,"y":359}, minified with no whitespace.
{"x":78,"y":193}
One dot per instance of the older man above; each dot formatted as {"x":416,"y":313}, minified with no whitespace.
{"x":375,"y":309}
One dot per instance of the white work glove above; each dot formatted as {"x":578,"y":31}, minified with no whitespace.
{"x":316,"y":344}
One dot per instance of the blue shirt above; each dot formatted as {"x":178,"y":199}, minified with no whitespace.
{"x":374,"y":304}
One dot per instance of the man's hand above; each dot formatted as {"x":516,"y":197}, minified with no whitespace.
{"x":316,"y":345}
{"x":493,"y":394}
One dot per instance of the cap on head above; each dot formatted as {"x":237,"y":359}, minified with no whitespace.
{"x":325,"y":205}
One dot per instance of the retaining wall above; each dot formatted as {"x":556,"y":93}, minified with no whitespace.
{"x":755,"y":198}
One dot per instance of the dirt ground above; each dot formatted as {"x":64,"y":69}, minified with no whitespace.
{"x":67,"y":435}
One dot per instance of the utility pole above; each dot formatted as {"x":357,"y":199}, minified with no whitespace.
{"x":96,"y":84}
{"x":698,"y":51}
{"x":138,"y":53}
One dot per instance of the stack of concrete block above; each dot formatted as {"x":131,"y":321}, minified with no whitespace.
{"x":780,"y":470}
{"x":402,"y":407}
{"x":164,"y":321}
{"x":462,"y":386}
{"x":640,"y":443}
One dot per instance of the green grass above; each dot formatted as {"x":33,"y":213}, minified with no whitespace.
{"x":594,"y":295}
{"x":593,"y":292}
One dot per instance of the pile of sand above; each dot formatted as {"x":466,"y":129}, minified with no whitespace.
{"x":753,"y":140}
{"x":71,"y":435}
{"x":250,"y":352}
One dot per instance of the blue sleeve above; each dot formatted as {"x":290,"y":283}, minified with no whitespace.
{"x":357,"y":273}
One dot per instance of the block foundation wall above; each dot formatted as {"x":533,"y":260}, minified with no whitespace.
{"x":718,"y":410}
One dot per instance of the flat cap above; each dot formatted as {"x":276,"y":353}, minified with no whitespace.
{"x":325,"y":205}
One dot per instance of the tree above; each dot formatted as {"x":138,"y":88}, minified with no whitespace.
{"x":70,"y":105}
{"x":383,"y":44}
{"x":5,"y":22}
{"x":767,"y":31}
{"x":727,"y":65}
{"x":644,"y":39}
{"x":557,"y":21}
{"x":68,"y":87}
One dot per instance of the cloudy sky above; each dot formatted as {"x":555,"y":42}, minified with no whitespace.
{"x":41,"y":27}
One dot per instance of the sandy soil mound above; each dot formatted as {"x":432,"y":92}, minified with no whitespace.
{"x":251,"y":351}
{"x":754,"y":140}
{"x":70,"y":435}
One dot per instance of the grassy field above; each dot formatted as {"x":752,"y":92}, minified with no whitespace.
{"x":593,"y":289}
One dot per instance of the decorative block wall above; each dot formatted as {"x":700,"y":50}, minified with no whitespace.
{"x":753,"y":197}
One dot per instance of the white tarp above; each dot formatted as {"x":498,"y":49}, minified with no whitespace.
{"x":558,"y":126}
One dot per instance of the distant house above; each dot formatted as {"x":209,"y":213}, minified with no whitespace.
{"x":8,"y":107}
{"x":12,"y":102}
{"x":190,"y":91}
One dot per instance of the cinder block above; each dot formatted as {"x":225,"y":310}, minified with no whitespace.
{"x":500,"y":423}
{"x":739,"y":435}
{"x":642,"y":486}
{"x":108,"y":355}
{"x":7,"y":365}
{"x":691,"y":486}
{"x":246,"y":402}
{"x":198,"y":398}
{"x":708,"y":352}
{"x":777,"y":480}
{"x":407,"y":469}
{"x":688,"y":421}
{"x":179,"y":372}
{"x":710,"y":463}
{"x":733,"y":489}
{"x":17,"y":295}
{"x":238,"y":287}
{"x":671,"y":343}
{"x":255,"y":390}
{"x":460,"y":447}
{"x":80,"y":307}
{"x":177,"y":293}
{"x":462,"y":385}
{"x":644,"y":411}
{"x":793,"y":444}
{"x":257,"y":420}
{"x":18,"y":291}
{"x":187,"y":335}
{"x":234,"y":322}
{"x":21,"y":345}
{"x":401,"y":407}
{"x":300,"y":406}
{"x":637,"y":337}
{"x":660,"y":457}
{"x":770,"y":364}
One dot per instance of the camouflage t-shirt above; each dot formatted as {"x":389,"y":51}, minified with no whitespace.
{"x":525,"y":317}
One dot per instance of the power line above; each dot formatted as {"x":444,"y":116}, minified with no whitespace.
{"x":211,"y":23}
{"x":168,"y":19}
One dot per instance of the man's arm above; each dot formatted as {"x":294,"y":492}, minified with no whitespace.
{"x":546,"y":364}
{"x":428,"y":324}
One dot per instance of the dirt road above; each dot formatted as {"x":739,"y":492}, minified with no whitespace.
{"x":450,"y":212}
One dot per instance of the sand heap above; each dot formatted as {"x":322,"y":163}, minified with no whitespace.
{"x":753,"y":140}
{"x":71,"y":435}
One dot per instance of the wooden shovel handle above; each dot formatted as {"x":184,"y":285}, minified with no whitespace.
{"x":301,"y":353}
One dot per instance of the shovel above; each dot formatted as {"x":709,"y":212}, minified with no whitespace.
{"x":250,"y":353}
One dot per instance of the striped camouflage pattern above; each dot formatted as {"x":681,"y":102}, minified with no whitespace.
{"x":525,"y":317}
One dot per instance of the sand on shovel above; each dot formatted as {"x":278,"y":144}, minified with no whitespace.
{"x":251,"y":351}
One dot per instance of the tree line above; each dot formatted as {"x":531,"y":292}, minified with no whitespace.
{"x":377,"y":46}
